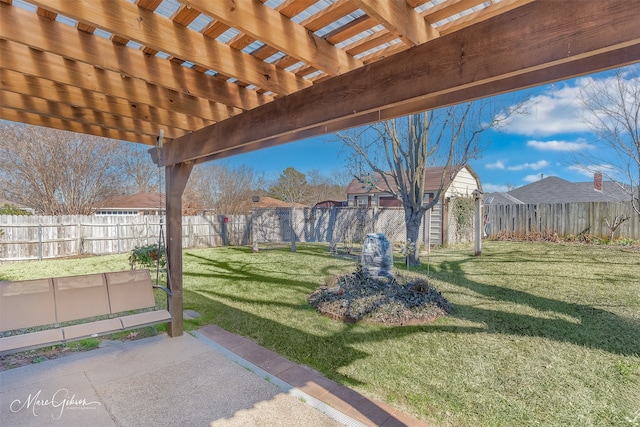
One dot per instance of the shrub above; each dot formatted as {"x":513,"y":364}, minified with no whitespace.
{"x":8,"y":209}
{"x":148,"y":256}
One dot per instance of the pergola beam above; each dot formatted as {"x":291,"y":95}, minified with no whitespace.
{"x":179,"y":110}
{"x":126,"y":20}
{"x":267,"y":25}
{"x":48,"y":108}
{"x":401,"y":20}
{"x":73,"y":126}
{"x":43,"y":34}
{"x":487,"y":56}
{"x":611,"y":59}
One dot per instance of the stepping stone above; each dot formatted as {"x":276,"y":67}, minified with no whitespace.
{"x":190,"y":314}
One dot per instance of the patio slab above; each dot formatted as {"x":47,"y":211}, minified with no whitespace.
{"x":214,"y":378}
{"x":154,"y":381}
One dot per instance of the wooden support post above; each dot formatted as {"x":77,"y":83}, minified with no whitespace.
{"x":477,"y":223}
{"x":176,"y":179}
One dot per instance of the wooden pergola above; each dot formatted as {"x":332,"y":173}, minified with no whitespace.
{"x":222,"y":77}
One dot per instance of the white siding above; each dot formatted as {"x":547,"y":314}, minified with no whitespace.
{"x":462,"y":185}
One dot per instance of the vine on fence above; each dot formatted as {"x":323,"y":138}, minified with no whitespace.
{"x":462,"y":209}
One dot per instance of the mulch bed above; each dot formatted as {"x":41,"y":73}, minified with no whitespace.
{"x":359,"y":297}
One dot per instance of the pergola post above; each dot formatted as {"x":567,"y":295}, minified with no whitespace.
{"x":176,"y":180}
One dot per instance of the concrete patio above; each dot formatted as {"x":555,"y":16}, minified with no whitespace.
{"x":213,"y":378}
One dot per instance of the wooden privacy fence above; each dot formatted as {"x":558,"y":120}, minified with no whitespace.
{"x":564,"y":219}
{"x":345,"y":225}
{"x":42,"y":237}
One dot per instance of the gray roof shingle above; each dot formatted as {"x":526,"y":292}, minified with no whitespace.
{"x":557,"y":190}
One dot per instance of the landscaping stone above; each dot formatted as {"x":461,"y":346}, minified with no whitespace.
{"x":377,"y":255}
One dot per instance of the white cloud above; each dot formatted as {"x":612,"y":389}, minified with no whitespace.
{"x":559,"y":108}
{"x":555,"y":111}
{"x":494,"y":188}
{"x":497,"y":165}
{"x":578,"y":145}
{"x":589,"y":170}
{"x":541,"y":164}
{"x":532,"y":178}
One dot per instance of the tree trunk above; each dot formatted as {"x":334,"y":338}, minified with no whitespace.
{"x":413,"y":219}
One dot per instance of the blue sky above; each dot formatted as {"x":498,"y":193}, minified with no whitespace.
{"x":544,"y":142}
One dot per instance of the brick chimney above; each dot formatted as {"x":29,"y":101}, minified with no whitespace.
{"x":597,"y":182}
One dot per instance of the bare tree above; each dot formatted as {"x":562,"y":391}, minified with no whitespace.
{"x":226,"y":189}
{"x":612,"y":112}
{"x":142,"y":174}
{"x":56,"y":172}
{"x":401,"y":150}
{"x":322,"y":187}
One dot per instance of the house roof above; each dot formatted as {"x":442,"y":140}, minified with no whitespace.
{"x":557,"y":190}
{"x":432,"y":181}
{"x":138,"y":201}
{"x":501,"y":199}
{"x":217,"y":80}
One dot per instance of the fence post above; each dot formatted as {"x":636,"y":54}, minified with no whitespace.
{"x":211,"y":229}
{"x":293,"y":233}
{"x":118,"y":235}
{"x":39,"y":242}
{"x":477,"y":226}
{"x":78,"y":233}
{"x":373,"y":219}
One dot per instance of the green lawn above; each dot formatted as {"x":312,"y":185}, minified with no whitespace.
{"x":541,"y":334}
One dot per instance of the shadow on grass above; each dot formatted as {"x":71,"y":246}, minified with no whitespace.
{"x":593,"y":328}
{"x":330,"y":352}
{"x":557,"y":320}
{"x":245,"y":273}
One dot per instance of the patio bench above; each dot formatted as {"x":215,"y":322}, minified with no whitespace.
{"x":63,"y":309}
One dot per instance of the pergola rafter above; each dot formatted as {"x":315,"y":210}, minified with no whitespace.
{"x":218,"y":78}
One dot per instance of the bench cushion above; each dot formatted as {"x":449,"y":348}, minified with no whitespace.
{"x":79,"y":297}
{"x":26,"y":304}
{"x":130,"y":290}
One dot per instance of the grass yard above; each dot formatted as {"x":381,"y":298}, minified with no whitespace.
{"x":541,"y":334}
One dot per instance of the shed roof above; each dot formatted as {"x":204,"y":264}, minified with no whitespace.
{"x":433,"y":179}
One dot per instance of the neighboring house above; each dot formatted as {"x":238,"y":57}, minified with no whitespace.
{"x":557,"y":190}
{"x":458,"y":182}
{"x":134,"y":204}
